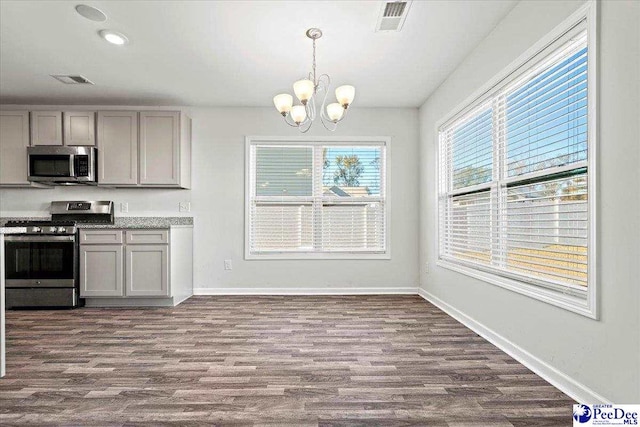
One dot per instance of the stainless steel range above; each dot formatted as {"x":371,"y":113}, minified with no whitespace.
{"x":41,"y":265}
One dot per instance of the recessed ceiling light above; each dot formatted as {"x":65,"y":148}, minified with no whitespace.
{"x":114,"y":37}
{"x":91,"y":13}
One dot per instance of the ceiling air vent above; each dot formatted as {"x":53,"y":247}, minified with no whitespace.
{"x":392,"y":15}
{"x":72,"y":80}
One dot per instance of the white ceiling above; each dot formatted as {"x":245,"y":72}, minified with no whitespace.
{"x":233,"y":53}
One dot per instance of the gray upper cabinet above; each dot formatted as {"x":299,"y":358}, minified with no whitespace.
{"x":118,"y":147}
{"x":58,"y":128}
{"x":147,"y":270}
{"x":14,"y":140}
{"x":159,"y":148}
{"x":46,"y":128}
{"x":135,"y":149}
{"x":145,"y":149}
{"x":79,"y":127}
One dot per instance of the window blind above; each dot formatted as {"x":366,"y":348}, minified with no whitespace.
{"x":317,"y":198}
{"x":513,"y":174}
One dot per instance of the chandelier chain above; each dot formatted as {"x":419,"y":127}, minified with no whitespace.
{"x":315,"y":82}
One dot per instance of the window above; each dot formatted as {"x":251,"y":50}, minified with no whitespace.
{"x":516,"y":178}
{"x":310,"y":198}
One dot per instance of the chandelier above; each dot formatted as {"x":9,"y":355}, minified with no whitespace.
{"x":307,"y":91}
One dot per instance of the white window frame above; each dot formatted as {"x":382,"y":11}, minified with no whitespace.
{"x":319,"y":141}
{"x":585,"y":305}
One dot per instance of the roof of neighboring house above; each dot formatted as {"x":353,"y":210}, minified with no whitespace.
{"x":346,"y":191}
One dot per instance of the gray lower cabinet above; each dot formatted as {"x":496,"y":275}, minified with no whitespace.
{"x":101,"y":271}
{"x":124,"y":263}
{"x":147,"y":270}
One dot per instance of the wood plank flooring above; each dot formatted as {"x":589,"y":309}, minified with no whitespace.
{"x":285,"y":360}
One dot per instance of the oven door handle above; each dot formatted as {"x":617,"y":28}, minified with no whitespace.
{"x":35,"y":238}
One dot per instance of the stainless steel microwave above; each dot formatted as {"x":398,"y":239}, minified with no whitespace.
{"x":62,"y":164}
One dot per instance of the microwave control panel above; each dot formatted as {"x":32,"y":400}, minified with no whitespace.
{"x":82,"y":165}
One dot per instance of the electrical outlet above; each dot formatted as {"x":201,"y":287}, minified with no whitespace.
{"x":426,"y":267}
{"x":185,"y":206}
{"x":124,"y":207}
{"x":227,"y":264}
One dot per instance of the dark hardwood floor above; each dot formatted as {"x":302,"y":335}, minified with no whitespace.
{"x":290,"y":360}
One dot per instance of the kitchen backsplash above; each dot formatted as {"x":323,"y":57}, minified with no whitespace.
{"x":20,"y":202}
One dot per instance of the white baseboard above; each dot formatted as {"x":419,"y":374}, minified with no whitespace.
{"x":558,"y":379}
{"x":410,"y":290}
{"x":181,"y":299}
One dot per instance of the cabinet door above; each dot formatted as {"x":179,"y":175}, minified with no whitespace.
{"x":147,"y":270}
{"x":159,"y":147}
{"x":101,"y":273}
{"x":79,"y":127}
{"x":14,"y":140}
{"x":118,"y":147}
{"x":46,"y":128}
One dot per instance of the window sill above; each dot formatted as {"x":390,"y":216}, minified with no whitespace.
{"x":582,"y":306}
{"x":317,"y":256}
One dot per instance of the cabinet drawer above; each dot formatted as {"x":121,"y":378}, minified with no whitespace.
{"x":101,"y":237}
{"x":147,"y":237}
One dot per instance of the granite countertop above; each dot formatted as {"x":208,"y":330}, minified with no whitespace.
{"x":144,"y":222}
{"x":119,"y":222}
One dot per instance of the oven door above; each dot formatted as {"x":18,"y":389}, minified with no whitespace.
{"x":40,"y":261}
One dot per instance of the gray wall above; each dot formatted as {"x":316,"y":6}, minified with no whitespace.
{"x":217,"y":202}
{"x":604,"y":355}
{"x":218,"y":199}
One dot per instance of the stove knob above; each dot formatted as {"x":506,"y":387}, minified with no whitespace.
{"x":37,"y":230}
{"x":62,"y":230}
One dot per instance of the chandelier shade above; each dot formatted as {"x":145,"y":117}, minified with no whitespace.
{"x":283,"y":103}
{"x":335,"y":111}
{"x":303,"y":90}
{"x":298,"y":114}
{"x":309,"y":91}
{"x":345,"y":95}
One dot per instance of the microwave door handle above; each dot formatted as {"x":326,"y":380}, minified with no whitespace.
{"x":72,"y":162}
